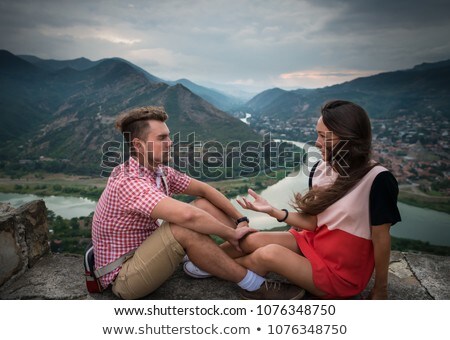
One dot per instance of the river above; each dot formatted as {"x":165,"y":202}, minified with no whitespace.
{"x":66,"y":207}
{"x":246,"y":119}
{"x":417,"y":223}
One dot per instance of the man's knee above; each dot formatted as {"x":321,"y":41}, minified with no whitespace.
{"x":202,"y":203}
{"x":185,"y":236}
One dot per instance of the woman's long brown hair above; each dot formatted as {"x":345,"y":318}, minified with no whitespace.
{"x":350,"y":158}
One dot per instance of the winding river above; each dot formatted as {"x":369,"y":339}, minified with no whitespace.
{"x":417,"y":223}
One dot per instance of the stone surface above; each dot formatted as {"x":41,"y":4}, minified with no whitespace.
{"x":403,"y":285}
{"x":11,"y":261}
{"x":23,"y":238}
{"x":5,"y":207}
{"x":54,"y":276}
{"x":32,"y":217}
{"x":61,"y":276}
{"x":433,"y":272}
{"x":29,"y":271}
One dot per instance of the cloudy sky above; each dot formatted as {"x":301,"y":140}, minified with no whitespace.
{"x":251,"y":44}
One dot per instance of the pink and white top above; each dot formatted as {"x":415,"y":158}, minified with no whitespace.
{"x":340,"y":249}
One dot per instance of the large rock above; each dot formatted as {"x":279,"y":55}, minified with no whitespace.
{"x":23,"y":238}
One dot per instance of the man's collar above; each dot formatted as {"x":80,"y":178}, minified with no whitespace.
{"x":136,"y":168}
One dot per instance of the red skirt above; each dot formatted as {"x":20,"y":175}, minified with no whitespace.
{"x":342,"y":263}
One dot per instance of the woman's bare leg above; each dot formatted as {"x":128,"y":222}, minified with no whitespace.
{"x":261,"y":239}
{"x":283,"y":261}
{"x":265,"y":252}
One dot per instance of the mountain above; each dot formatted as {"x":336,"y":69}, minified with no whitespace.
{"x":218,"y":99}
{"x":55,"y":65}
{"x":148,"y":75}
{"x":65,"y":113}
{"x":81,"y":64}
{"x":423,"y":89}
{"x":265,"y":98}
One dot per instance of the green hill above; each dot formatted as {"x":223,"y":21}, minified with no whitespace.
{"x":424,"y":88}
{"x":67,"y":114}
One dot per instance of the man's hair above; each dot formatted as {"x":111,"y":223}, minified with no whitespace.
{"x":133,"y":123}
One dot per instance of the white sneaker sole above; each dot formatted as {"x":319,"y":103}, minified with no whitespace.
{"x":194,"y":275}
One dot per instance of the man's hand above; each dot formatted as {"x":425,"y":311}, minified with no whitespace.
{"x":240,"y":233}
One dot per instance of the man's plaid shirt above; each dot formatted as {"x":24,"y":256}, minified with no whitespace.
{"x":122,"y":217}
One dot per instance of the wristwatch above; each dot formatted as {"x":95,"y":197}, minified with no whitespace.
{"x":242,"y":219}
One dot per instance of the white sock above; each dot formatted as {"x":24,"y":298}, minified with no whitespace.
{"x":251,"y":281}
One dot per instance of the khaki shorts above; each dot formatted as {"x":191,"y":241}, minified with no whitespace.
{"x":154,"y":262}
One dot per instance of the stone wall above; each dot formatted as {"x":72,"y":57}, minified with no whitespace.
{"x":23,"y":238}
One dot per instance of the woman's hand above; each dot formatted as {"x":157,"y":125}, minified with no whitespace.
{"x":378,"y":294}
{"x":260,"y":204}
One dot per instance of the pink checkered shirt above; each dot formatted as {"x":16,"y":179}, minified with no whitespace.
{"x":122,"y":217}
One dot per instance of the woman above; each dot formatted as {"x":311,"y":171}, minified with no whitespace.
{"x":341,"y":228}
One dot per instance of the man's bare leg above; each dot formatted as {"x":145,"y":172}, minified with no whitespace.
{"x":207,"y":255}
{"x":204,"y":252}
{"x":251,"y":241}
{"x":210,"y":257}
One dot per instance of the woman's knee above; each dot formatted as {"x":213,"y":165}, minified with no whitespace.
{"x":268,"y":254}
{"x":253,"y":242}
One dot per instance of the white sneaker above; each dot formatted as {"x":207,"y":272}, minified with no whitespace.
{"x":192,"y":270}
{"x":185,"y":259}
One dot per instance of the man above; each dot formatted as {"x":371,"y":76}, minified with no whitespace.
{"x":138,"y":194}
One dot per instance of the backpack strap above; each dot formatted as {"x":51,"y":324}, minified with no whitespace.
{"x":113,"y":265}
{"x":311,"y":175}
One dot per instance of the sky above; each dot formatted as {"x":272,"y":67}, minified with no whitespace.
{"x":251,"y":45}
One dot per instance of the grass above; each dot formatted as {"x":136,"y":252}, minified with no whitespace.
{"x":90,"y":187}
{"x":438,"y":203}
{"x":54,"y":185}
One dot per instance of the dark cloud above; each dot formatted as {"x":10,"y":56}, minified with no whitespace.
{"x":243,"y":42}
{"x":30,"y":14}
{"x":387,"y":13}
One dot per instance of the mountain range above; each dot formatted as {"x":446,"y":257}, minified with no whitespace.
{"x":219,"y":99}
{"x":66,"y":109}
{"x":424,"y":90}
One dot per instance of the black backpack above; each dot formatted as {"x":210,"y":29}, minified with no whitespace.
{"x":93,"y":275}
{"x":92,"y":282}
